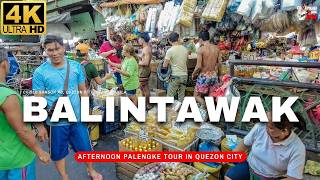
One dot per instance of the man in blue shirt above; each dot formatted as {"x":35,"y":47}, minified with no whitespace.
{"x":48,"y":81}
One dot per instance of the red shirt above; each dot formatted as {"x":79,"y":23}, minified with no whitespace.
{"x":105,"y":47}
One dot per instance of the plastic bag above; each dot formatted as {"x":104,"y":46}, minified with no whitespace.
{"x":215,"y":10}
{"x":186,"y":13}
{"x":256,"y":11}
{"x":245,"y":8}
{"x":268,"y":8}
{"x":317,"y":30}
{"x":231,"y":91}
{"x":233,"y":6}
{"x":289,"y":5}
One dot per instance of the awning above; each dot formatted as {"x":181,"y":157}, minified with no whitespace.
{"x":59,"y":18}
{"x":59,"y":30}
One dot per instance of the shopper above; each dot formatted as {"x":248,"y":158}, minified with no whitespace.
{"x":113,"y":50}
{"x":51,"y":77}
{"x":90,"y":70}
{"x":129,"y":70}
{"x":144,"y":66}
{"x":206,"y":70}
{"x":18,"y":144}
{"x":177,"y":57}
{"x":276,"y":153}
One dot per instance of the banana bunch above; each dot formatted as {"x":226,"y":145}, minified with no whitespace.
{"x":131,"y":37}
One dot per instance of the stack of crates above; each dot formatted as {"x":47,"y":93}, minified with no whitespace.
{"x":108,"y":127}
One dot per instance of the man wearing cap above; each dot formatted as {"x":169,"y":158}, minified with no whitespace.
{"x":18,"y":145}
{"x":90,"y":70}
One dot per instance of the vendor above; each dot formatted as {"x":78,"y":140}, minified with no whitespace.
{"x":129,"y":70}
{"x":276,"y":153}
{"x":112,"y":50}
{"x":90,"y":70}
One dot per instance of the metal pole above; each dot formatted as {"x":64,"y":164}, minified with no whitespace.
{"x":276,"y":63}
{"x":278,"y":83}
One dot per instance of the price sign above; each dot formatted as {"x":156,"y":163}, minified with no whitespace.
{"x":249,"y":56}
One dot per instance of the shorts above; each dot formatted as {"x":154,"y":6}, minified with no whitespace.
{"x":144,"y":72}
{"x":26,"y":173}
{"x":131,"y":92}
{"x":206,"y":82}
{"x":118,"y":78}
{"x":239,"y":171}
{"x":61,"y":137}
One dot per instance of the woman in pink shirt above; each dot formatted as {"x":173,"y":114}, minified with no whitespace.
{"x":112,"y":50}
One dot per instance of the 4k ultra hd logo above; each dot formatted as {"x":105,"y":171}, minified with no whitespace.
{"x":23,"y":18}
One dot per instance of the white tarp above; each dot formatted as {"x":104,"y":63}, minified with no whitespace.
{"x":60,"y":30}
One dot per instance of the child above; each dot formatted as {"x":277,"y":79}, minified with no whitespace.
{"x":129,"y":71}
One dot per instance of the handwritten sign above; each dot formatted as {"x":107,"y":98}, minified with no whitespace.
{"x":249,"y":56}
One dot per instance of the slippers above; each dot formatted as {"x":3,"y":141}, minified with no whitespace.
{"x":97,"y":176}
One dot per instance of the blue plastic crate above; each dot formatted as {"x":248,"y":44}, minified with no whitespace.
{"x":107,"y":127}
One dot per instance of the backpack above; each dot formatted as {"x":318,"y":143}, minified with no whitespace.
{"x":14,"y":67}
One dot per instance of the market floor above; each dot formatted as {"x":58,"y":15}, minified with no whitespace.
{"x":77,"y":171}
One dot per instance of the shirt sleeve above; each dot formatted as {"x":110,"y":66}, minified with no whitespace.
{"x":4,"y":96}
{"x":93,"y":71}
{"x":81,"y":76}
{"x":296,"y":164}
{"x":251,"y":136}
{"x":38,"y":83}
{"x":103,"y":48}
{"x":168,"y":55}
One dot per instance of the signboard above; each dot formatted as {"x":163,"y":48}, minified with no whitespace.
{"x":23,"y":18}
{"x":249,"y":56}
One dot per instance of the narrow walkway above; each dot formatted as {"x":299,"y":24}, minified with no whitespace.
{"x":77,"y":171}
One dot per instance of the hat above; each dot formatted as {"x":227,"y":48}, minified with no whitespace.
{"x":83,"y":48}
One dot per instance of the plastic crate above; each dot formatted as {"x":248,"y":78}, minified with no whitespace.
{"x":107,"y":127}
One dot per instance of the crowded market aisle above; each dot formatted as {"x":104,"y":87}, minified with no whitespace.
{"x":76,"y":170}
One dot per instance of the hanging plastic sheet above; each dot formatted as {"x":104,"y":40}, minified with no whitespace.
{"x":233,"y":6}
{"x":245,"y":8}
{"x":317,"y":30}
{"x":289,"y":5}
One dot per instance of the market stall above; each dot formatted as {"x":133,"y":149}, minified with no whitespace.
{"x":268,"y":48}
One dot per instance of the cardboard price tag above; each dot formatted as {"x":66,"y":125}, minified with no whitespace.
{"x":249,"y":56}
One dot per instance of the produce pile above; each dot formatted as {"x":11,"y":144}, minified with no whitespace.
{"x":166,"y":171}
{"x":138,"y":145}
{"x":180,"y":136}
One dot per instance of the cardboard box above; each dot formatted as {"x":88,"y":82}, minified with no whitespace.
{"x":126,"y":171}
{"x":140,"y":164}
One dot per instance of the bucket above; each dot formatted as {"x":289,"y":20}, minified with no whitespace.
{"x":94,"y":131}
